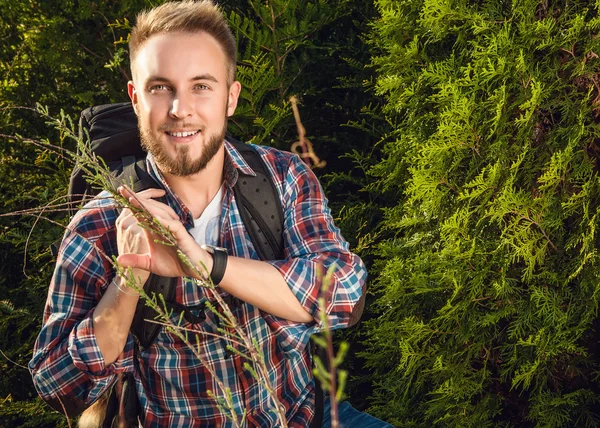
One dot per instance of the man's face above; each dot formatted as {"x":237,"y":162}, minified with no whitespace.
{"x":182,"y":99}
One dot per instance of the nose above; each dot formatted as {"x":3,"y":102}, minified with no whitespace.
{"x":180,"y":108}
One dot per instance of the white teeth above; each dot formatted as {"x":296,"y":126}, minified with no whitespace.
{"x":182,"y":134}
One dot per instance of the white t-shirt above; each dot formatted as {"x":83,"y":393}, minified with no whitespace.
{"x":206,"y":227}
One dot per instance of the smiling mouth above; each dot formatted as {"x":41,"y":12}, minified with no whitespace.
{"x":182,"y":134}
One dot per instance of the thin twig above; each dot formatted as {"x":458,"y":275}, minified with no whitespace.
{"x":64,"y":411}
{"x":195,"y":331}
{"x":15,"y":363}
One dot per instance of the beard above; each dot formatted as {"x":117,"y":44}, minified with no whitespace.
{"x":181,"y":165}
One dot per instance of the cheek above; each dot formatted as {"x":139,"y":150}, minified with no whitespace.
{"x":211,"y":113}
{"x":152,"y":117}
{"x":154,"y":108}
{"x":144,"y":118}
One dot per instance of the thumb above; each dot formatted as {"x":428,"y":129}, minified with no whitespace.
{"x":135,"y":261}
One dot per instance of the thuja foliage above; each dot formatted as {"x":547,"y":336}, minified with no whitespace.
{"x":279,"y":50}
{"x":490,"y":276}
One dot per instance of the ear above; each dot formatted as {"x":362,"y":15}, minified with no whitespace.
{"x":131,"y":91}
{"x":232,"y":98}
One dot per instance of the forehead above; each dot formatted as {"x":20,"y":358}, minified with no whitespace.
{"x":180,"y":56}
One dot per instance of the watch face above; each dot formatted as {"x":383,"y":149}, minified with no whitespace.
{"x":212,"y":248}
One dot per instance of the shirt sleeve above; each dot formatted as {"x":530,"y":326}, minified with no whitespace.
{"x":314,"y":246}
{"x":67,"y":366}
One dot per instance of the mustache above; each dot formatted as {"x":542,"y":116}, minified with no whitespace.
{"x":167,"y":127}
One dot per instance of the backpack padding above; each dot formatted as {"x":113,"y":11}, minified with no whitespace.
{"x":113,"y":131}
{"x":260,"y":206}
{"x":110,"y":131}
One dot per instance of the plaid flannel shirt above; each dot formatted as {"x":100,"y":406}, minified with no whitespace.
{"x":172,"y":385}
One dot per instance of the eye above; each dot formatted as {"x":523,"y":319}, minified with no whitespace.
{"x":201,"y":87}
{"x":158,"y":88}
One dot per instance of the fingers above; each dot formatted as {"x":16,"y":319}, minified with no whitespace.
{"x":159,"y":211}
{"x":144,"y":200}
{"x":167,"y":217}
{"x":132,"y":245}
{"x":156,"y":208}
{"x":148,"y":193}
{"x":126,"y":219}
{"x":135,"y":261}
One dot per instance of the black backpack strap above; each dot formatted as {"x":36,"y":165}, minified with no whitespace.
{"x":259,"y":205}
{"x":132,"y":172}
{"x":146,"y":332}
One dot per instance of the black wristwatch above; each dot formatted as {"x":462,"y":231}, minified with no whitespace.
{"x":219,"y":262}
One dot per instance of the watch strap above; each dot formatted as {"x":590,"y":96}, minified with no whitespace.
{"x":219,"y":264}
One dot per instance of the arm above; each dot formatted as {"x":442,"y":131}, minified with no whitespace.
{"x":264,"y":287}
{"x":113,"y":317}
{"x":115,"y":311}
{"x":314,"y":245}
{"x":67,"y":367}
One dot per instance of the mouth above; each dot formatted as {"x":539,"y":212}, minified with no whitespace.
{"x":182,"y":137}
{"x":182,"y":134}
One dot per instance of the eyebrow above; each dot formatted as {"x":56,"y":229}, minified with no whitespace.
{"x":205,"y":76}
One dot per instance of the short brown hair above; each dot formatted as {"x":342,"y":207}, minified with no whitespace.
{"x":189,"y":17}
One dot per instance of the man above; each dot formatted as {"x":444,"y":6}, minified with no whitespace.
{"x":183,"y":90}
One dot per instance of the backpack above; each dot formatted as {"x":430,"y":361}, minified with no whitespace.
{"x":113,"y":134}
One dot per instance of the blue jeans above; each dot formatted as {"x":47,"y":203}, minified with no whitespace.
{"x":349,"y":417}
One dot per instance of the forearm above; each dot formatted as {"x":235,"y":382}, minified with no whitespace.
{"x":261,"y":285}
{"x":308,"y":279}
{"x":113,"y":317}
{"x":69,"y":370}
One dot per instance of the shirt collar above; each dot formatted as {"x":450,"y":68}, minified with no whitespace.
{"x":234,"y":165}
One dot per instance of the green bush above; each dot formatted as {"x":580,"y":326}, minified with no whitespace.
{"x":489,"y":270}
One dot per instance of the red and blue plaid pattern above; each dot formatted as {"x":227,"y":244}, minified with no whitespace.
{"x":172,"y":385}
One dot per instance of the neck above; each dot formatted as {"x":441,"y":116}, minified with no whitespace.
{"x":197,"y":190}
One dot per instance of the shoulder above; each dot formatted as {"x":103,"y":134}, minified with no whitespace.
{"x":89,"y":242}
{"x":96,"y":218}
{"x":281,"y":162}
{"x":295,"y":180}
{"x":271,"y":154}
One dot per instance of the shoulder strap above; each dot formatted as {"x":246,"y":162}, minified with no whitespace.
{"x":259,"y":205}
{"x":145,"y":333}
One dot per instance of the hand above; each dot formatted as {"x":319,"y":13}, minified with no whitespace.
{"x":137,"y":246}
{"x":131,"y":239}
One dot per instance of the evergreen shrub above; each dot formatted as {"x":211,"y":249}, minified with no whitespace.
{"x":489,"y":274}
